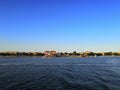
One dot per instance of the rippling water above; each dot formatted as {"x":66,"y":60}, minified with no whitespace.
{"x":100,"y":73}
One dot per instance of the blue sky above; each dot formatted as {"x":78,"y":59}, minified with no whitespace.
{"x":61,"y":25}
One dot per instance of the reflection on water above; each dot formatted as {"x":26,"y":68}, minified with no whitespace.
{"x":100,"y":73}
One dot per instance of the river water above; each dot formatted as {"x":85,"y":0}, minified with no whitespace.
{"x":33,"y":73}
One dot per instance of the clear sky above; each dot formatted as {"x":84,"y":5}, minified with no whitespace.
{"x":61,"y":25}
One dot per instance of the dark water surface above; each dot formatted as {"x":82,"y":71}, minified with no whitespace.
{"x":100,"y":73}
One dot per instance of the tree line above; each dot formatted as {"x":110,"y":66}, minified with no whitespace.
{"x":81,"y":54}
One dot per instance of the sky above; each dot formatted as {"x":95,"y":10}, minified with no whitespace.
{"x":61,"y":25}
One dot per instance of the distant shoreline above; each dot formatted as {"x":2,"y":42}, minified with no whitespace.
{"x":52,"y":57}
{"x":53,"y":54}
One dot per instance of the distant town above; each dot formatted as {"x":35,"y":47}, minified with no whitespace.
{"x":59,"y":54}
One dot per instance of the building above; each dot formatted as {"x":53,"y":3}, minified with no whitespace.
{"x":50,"y":53}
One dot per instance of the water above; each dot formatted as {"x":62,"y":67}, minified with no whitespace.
{"x":100,"y":73}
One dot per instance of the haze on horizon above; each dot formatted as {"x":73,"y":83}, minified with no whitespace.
{"x":61,"y":25}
